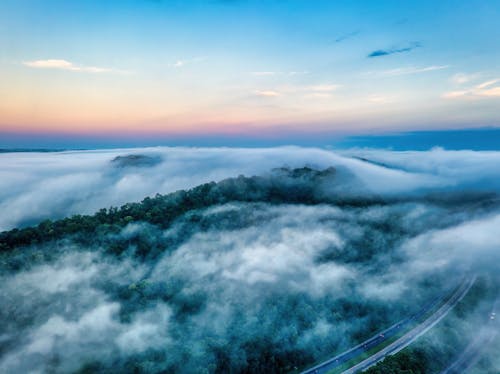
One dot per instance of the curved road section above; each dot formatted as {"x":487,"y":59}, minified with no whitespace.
{"x":390,"y":332}
{"x":472,"y":353}
{"x":418,"y":331}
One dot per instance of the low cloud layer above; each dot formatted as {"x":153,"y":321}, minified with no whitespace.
{"x":255,"y":286}
{"x":37,"y":186}
{"x":240,"y":282}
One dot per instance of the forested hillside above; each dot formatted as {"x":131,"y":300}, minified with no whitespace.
{"x":255,"y":274}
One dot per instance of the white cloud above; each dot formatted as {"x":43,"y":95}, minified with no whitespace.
{"x":486,"y":89}
{"x":455,"y":94}
{"x":76,"y":322}
{"x":69,"y":271}
{"x":64,"y":65}
{"x":264,"y":73}
{"x":268,"y":269}
{"x":85,"y":181}
{"x":491,"y":92}
{"x":319,"y":95}
{"x":379,"y":99}
{"x":278,"y":273}
{"x":409,"y":70}
{"x":274,"y":73}
{"x":459,"y":167}
{"x":468,"y":244}
{"x":148,"y":330}
{"x":323,"y":87}
{"x":183,"y":63}
{"x":267,"y":93}
{"x":317,"y":91}
{"x":461,"y":78}
{"x":487,"y":84}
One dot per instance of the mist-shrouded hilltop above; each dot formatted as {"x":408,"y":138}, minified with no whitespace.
{"x":274,"y":270}
{"x":249,"y":187}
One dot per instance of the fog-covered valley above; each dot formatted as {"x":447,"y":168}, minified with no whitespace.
{"x":292,"y":256}
{"x":35,"y":186}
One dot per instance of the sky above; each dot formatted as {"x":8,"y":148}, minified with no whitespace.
{"x":223,"y":70}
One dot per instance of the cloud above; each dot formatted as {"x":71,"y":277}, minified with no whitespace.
{"x":319,"y":95}
{"x":347,"y":36}
{"x":488,"y":89}
{"x":379,"y":99}
{"x":391,"y":51}
{"x":81,"y":325}
{"x":274,"y":73}
{"x":313,"y":91}
{"x":65,"y":65}
{"x":490,"y":92}
{"x":264,"y":73}
{"x":267,"y":93}
{"x":410,"y":70}
{"x":292,"y":73}
{"x":459,"y":168}
{"x":183,"y":63}
{"x":487,"y":84}
{"x":247,"y":280}
{"x":230,"y":285}
{"x":461,"y":78}
{"x":85,"y":181}
{"x":469,"y":244}
{"x":323,"y":87}
{"x":320,"y":91}
{"x":456,"y":94}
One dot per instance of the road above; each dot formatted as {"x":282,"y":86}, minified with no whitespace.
{"x":483,"y":339}
{"x":383,"y":336}
{"x":416,"y":332}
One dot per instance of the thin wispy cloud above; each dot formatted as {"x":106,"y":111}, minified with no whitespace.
{"x":324,"y":90}
{"x":488,"y":83}
{"x":275,"y":73}
{"x":65,"y":65}
{"x":411,"y":70}
{"x":318,"y":95}
{"x":391,"y":51}
{"x":488,"y":89}
{"x":267,"y":93}
{"x":379,"y":99}
{"x":264,"y":73}
{"x":323,"y":87}
{"x":183,"y":63}
{"x":462,"y":78}
{"x":347,"y":36}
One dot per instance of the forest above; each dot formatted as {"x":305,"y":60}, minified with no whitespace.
{"x":248,"y":275}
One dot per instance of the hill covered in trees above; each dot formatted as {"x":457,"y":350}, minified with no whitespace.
{"x":306,"y":186}
{"x":255,"y":274}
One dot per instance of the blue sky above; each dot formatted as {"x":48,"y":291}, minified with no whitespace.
{"x":269,"y":69}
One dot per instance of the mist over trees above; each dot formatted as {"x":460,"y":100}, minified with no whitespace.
{"x":54,"y":185}
{"x":252,"y":274}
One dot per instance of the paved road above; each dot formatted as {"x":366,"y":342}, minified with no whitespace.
{"x":416,"y":332}
{"x":374,"y":341}
{"x":472,"y":352}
